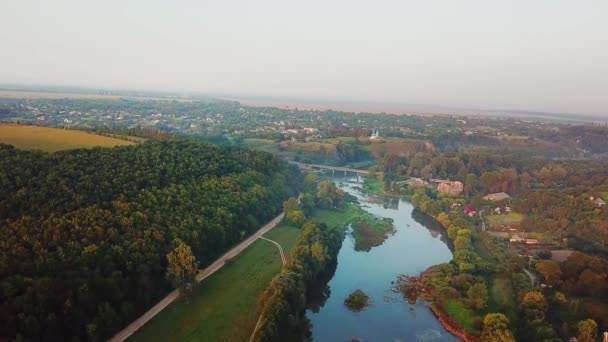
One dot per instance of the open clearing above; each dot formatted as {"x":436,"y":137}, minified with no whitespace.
{"x":506,"y":219}
{"x":314,"y":146}
{"x":53,"y":139}
{"x":223,"y":306}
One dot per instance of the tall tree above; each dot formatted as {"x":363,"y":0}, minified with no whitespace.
{"x":478,"y":296}
{"x":534,"y":306}
{"x":587,"y":331}
{"x":182,"y":265}
{"x":496,"y":328}
{"x":550,"y":271}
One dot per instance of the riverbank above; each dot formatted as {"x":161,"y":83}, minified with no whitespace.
{"x":446,"y":322}
{"x":413,"y":247}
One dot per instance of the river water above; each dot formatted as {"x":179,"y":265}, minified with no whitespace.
{"x":413,"y":248}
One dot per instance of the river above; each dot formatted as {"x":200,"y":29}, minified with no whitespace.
{"x":412,"y":249}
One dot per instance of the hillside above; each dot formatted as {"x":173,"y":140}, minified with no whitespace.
{"x":54,"y":139}
{"x":86,"y":233}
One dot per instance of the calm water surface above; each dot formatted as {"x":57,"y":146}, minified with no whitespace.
{"x":411,"y":250}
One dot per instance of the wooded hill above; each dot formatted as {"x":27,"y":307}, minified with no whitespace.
{"x":84,"y":234}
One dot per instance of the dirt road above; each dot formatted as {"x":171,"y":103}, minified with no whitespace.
{"x":214,"y":267}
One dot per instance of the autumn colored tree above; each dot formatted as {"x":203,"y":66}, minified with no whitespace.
{"x":329,"y":196}
{"x":182,"y":265}
{"x":550,"y":271}
{"x":295,"y":218}
{"x":478,"y":296}
{"x":290,"y":204}
{"x":534,"y":306}
{"x":587,"y":331}
{"x":496,"y":328}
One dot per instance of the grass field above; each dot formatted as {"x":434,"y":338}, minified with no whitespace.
{"x":373,"y":185}
{"x":258,"y":142}
{"x":53,"y":139}
{"x":501,"y":294}
{"x":507,"y":219}
{"x":223,"y":307}
{"x":462,"y":314}
{"x":314,"y":146}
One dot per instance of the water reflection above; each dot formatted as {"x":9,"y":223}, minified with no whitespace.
{"x":413,"y":248}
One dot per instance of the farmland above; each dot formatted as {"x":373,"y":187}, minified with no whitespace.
{"x":506,"y":219}
{"x":223,"y":307}
{"x":53,"y":139}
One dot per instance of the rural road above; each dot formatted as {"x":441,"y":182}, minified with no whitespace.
{"x":214,"y":267}
{"x":531,"y":276}
{"x":283,"y":259}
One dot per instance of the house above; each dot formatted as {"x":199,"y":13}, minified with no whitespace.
{"x":531,"y":242}
{"x":470,"y":211}
{"x":448,"y":187}
{"x":516,"y":239}
{"x":598,"y":201}
{"x":416,"y":182}
{"x":497,"y":197}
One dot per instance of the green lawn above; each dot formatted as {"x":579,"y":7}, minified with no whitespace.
{"x":507,"y":219}
{"x":462,"y":314}
{"x":501,"y":294}
{"x":373,"y":185}
{"x":337,"y":218}
{"x":223,"y":306}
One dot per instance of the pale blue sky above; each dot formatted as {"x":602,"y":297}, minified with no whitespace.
{"x":543,"y":55}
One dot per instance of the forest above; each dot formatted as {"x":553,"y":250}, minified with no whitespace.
{"x":89,"y":238}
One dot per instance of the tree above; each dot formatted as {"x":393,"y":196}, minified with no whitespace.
{"x":444,"y":219}
{"x":550,"y":271}
{"x":290,"y":204}
{"x":310,"y":182}
{"x":295,"y":218}
{"x":534,"y":306}
{"x":587,"y":331}
{"x":469,"y":184}
{"x":307,"y":203}
{"x":329,"y":196}
{"x":496,"y":328}
{"x":478,"y":296}
{"x":182,"y":265}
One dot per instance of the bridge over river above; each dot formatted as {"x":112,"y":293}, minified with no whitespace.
{"x":333,"y":169}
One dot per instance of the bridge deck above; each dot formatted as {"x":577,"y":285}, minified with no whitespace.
{"x":327,"y":167}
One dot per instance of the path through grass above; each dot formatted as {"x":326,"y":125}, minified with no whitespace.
{"x":223,"y":306}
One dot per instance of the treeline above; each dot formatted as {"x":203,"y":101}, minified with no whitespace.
{"x":86,"y":234}
{"x":313,"y":258}
{"x":284,"y":303}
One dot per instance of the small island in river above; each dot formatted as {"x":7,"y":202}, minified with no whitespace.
{"x":357,"y":301}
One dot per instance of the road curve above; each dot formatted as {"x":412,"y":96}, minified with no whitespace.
{"x":283,"y":259}
{"x":214,"y":267}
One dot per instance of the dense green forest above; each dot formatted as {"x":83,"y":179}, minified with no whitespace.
{"x":85,"y":234}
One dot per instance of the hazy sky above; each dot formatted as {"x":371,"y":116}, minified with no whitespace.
{"x":544,"y":55}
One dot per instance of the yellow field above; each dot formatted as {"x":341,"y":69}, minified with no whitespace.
{"x":53,"y":139}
